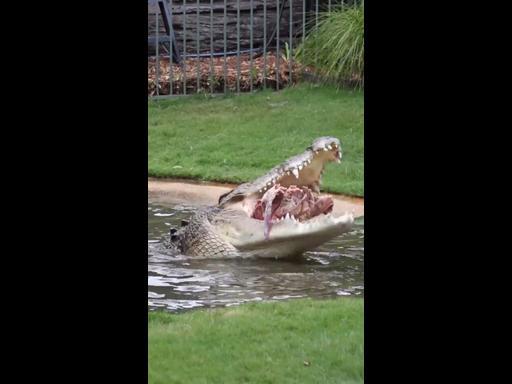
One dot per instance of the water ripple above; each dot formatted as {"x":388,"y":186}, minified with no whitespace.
{"x":177,"y":282}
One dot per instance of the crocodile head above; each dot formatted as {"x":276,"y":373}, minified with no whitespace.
{"x":285,"y":207}
{"x":305,"y":169}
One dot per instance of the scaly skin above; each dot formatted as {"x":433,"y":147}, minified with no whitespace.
{"x":227,"y":230}
{"x":199,"y":237}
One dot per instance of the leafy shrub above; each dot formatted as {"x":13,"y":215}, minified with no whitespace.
{"x":336,"y":48}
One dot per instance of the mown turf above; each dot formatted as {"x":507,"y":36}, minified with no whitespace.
{"x":298,"y":341}
{"x":239,"y":138}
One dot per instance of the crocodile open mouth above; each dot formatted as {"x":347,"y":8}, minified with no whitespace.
{"x":294,"y":193}
{"x":293,"y":203}
{"x":290,"y":192}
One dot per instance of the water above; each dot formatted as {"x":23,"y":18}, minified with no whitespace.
{"x":177,"y":282}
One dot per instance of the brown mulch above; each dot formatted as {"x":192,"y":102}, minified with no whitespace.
{"x":214,"y":82}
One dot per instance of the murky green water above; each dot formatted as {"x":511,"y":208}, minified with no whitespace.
{"x":177,"y":282}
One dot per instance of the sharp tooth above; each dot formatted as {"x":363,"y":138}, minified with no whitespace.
{"x":335,"y":145}
{"x":329,"y":146}
{"x":295,"y":172}
{"x":293,"y":218}
{"x":269,"y":183}
{"x":288,"y":172}
{"x":300,"y":167}
{"x":317,"y":151}
{"x":325,"y":149}
{"x":287,"y":217}
{"x":261,"y":190}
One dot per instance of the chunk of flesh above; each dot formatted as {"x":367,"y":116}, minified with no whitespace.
{"x":300,"y":203}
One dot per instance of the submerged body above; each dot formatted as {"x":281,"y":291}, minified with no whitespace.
{"x":280,"y":214}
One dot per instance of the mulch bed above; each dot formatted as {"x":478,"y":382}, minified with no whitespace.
{"x":214,"y":81}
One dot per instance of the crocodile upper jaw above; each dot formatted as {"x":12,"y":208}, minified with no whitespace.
{"x":302,"y":170}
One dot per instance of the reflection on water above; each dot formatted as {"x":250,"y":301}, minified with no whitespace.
{"x":177,"y":282}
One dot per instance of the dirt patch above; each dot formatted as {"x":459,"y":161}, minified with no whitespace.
{"x":215,"y":74}
{"x":166,"y":192}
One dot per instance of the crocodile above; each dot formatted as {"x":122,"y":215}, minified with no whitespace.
{"x":280,"y":214}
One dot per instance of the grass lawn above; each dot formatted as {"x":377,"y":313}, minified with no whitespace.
{"x":238,"y":138}
{"x":297,"y":341}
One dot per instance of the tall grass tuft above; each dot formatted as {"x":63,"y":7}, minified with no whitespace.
{"x":335,"y":50}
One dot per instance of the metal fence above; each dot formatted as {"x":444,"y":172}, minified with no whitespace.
{"x":220,"y":46}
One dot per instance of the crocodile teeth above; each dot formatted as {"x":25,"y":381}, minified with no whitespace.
{"x":325,"y":149}
{"x":269,"y":184}
{"x":329,"y":146}
{"x":295,"y":172}
{"x":300,"y":167}
{"x":261,"y":190}
{"x":287,"y":172}
{"x":287,"y":217}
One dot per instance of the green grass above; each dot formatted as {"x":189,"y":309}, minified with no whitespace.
{"x":238,"y":138}
{"x":298,"y":341}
